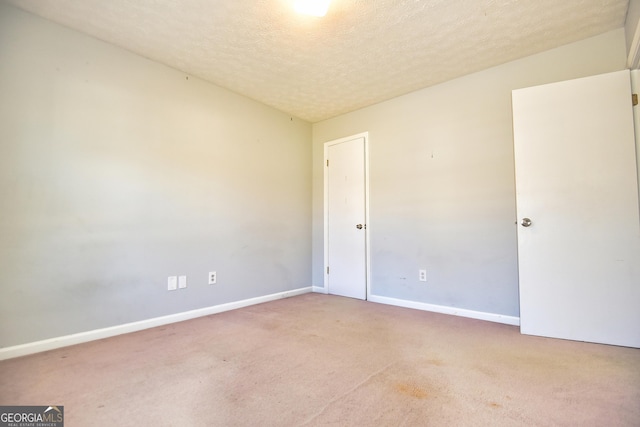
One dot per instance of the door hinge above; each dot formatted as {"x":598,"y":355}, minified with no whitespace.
{"x":327,"y":162}
{"x":634,"y":98}
{"x":327,"y":269}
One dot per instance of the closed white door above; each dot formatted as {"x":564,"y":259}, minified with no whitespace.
{"x":577,"y":207}
{"x":345,"y":218}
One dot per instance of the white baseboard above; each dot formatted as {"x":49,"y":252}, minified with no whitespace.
{"x":67,"y":340}
{"x":491,"y":317}
{"x":320,"y":289}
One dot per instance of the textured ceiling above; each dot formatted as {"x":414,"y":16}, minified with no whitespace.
{"x":361,"y":53}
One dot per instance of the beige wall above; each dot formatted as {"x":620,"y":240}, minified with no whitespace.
{"x":117,"y":172}
{"x":442,"y":180}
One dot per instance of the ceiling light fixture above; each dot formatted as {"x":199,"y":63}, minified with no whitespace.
{"x":312,"y":7}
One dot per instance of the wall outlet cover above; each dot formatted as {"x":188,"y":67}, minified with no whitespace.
{"x":213,"y":278}
{"x":422,"y":275}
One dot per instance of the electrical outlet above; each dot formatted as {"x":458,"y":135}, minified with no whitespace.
{"x":182,"y":282}
{"x":212,"y":277}
{"x":422,"y":275}
{"x":172,"y":283}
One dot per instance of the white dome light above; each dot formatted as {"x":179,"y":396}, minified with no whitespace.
{"x":312,"y":7}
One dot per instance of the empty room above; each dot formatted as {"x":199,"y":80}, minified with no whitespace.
{"x":345,"y":212}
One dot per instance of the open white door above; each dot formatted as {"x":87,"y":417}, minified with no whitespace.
{"x":577,"y":204}
{"x":345,"y":217}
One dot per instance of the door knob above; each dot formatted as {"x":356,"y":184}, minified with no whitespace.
{"x":526,"y":222}
{"x":359,"y":226}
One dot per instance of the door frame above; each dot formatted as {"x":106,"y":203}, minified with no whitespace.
{"x":367,"y":229}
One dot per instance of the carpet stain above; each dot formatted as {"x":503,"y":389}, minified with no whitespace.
{"x":412,"y":390}
{"x":436,"y":362}
{"x":270,"y":326}
{"x":495,"y":405}
{"x":487,"y":371}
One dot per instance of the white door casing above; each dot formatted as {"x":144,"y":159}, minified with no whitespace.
{"x":576,"y":180}
{"x":346,"y":217}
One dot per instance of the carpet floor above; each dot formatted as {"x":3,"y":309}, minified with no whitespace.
{"x":315,"y":360}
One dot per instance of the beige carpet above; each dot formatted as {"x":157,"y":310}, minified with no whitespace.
{"x":325,"y":360}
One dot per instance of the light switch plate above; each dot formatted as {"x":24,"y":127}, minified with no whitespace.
{"x":182,"y":282}
{"x":172,"y":283}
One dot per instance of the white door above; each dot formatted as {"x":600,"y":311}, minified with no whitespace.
{"x":576,"y":180}
{"x":345,"y":218}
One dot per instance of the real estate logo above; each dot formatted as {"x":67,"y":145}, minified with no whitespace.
{"x":32,"y":416}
